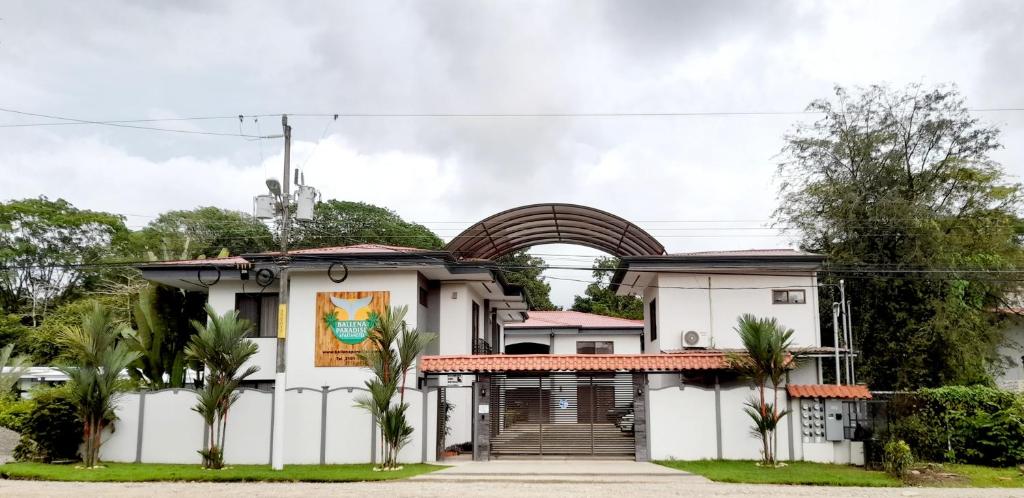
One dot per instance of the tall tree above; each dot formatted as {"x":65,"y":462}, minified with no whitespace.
{"x":899,"y":189}
{"x":163,"y":317}
{"x":43,"y":245}
{"x":520,"y":268}
{"x":600,"y":299}
{"x":342,"y":223}
{"x":202,"y":232}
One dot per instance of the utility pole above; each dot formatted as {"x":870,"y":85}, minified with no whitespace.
{"x":835,"y":340}
{"x":277,"y":456}
{"x":846,"y":330}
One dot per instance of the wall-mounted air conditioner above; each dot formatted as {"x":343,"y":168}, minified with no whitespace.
{"x":695,"y":339}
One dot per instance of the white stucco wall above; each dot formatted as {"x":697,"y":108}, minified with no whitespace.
{"x":247,"y":439}
{"x":681,"y":423}
{"x":686,"y":304}
{"x":1012,"y":350}
{"x":172,"y":432}
{"x":565,"y":342}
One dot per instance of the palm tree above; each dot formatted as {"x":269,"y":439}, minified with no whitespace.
{"x":765,"y":362}
{"x":223,"y":347}
{"x":11,"y":369}
{"x":97,"y":361}
{"x":394,"y":350}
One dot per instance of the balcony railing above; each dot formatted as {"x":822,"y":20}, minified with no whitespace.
{"x":481,"y":346}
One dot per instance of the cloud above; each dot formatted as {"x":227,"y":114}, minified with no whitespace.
{"x":118,"y":60}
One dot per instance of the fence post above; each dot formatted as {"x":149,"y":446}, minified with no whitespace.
{"x":270,"y":456}
{"x":138,"y":436}
{"x":718,"y":416}
{"x":323,"y":425}
{"x":425,"y":394}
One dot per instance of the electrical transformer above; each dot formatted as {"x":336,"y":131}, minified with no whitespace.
{"x":305,"y":201}
{"x":264,"y":207}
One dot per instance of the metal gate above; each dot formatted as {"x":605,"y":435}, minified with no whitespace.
{"x":562,"y":414}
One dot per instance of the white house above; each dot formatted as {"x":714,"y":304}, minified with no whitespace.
{"x":508,"y":381}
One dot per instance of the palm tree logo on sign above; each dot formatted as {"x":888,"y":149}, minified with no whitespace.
{"x":350,"y":331}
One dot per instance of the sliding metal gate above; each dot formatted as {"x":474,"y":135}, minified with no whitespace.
{"x":562,"y":414}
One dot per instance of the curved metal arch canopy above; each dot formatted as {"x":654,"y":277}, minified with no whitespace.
{"x":537,"y":224}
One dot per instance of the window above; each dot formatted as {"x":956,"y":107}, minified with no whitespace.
{"x":423,"y":296}
{"x":653,"y":313}
{"x":261,"y":310}
{"x":595,"y":347}
{"x":788,"y":297}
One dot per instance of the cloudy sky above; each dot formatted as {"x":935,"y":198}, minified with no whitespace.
{"x":695,"y":182}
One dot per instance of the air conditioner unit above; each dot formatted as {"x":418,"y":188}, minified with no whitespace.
{"x":694,"y":339}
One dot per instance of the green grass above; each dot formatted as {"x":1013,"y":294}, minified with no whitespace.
{"x":137,"y":472}
{"x":808,"y":473}
{"x":988,"y":477}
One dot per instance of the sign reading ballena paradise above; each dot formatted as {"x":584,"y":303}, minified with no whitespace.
{"x":343,"y":323}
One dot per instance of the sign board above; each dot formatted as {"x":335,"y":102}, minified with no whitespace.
{"x":343,"y":323}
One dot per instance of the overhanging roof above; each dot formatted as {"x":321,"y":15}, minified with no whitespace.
{"x":554,"y":223}
{"x":573,"y":363}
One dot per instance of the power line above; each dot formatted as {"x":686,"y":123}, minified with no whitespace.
{"x":124,"y":125}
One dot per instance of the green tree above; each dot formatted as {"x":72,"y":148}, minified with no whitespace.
{"x":43,"y":343}
{"x":765,"y":361}
{"x":97,"y":360}
{"x":11,"y":369}
{"x":600,"y":299}
{"x":43,"y":244}
{"x":899,"y":189}
{"x":342,"y":223}
{"x":223,"y":347}
{"x":520,"y":268}
{"x":394,"y":352}
{"x":162,"y":318}
{"x":202,"y":232}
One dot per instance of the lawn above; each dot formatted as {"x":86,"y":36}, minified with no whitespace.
{"x":822,"y":474}
{"x":172,"y":472}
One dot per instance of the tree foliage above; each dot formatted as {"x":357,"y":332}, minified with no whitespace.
{"x":42,"y":245}
{"x":223,"y":347}
{"x":520,"y":268}
{"x":898,"y":188}
{"x":342,"y":223}
{"x":600,"y":299}
{"x":97,"y":359}
{"x":162,"y":317}
{"x":202,"y":232}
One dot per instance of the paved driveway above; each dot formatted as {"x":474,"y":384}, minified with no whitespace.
{"x":494,"y":479}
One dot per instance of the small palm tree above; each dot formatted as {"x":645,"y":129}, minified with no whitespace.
{"x":11,"y":369}
{"x":97,"y":360}
{"x":765,"y":361}
{"x":223,"y":347}
{"x":395,"y":348}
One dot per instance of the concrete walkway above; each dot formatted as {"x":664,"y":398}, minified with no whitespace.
{"x":560,"y":471}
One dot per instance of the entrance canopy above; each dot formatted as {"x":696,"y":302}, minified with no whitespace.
{"x":538,"y":224}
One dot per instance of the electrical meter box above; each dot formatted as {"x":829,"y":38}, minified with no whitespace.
{"x":812,"y":420}
{"x":834,"y":420}
{"x":264,"y":207}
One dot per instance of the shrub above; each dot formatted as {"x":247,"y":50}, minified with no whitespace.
{"x":13,"y":412}
{"x":897,"y":458}
{"x":51,"y":431}
{"x":978,"y":425}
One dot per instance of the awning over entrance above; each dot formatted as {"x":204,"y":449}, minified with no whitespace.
{"x":827,"y":391}
{"x":574,"y":363}
{"x":539,"y":224}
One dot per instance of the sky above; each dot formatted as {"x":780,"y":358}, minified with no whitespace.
{"x":696,"y":182}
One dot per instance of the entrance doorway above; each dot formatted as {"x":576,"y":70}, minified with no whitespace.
{"x":562,"y":414}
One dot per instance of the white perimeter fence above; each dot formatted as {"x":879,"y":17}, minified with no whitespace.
{"x":322,"y":426}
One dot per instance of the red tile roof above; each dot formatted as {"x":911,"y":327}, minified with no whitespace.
{"x":574,"y":363}
{"x":573,"y":319}
{"x":828,"y":391}
{"x":357,"y":249}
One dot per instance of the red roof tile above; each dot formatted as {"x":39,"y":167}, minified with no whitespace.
{"x":828,"y":391}
{"x":574,"y":319}
{"x":573,"y":363}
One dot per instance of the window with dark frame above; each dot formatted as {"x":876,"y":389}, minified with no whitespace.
{"x":261,"y":311}
{"x":595,"y":347}
{"x":789,"y":296}
{"x":476,"y":321}
{"x":653,"y":311}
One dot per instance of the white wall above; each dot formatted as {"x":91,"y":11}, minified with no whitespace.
{"x":455,"y":313}
{"x":686,"y":304}
{"x":565,"y":343}
{"x":1012,"y":350}
{"x":222,"y":298}
{"x":173,"y":433}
